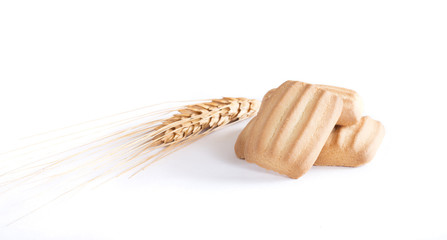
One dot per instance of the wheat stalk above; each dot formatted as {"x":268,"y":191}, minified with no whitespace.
{"x":132,"y":148}
{"x":140,"y":145}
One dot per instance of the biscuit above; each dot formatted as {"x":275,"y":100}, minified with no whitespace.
{"x":352,"y":146}
{"x":290,"y":129}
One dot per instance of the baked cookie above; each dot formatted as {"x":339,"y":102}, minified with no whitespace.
{"x":290,"y":129}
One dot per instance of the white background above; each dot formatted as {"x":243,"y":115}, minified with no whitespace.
{"x":63,"y":62}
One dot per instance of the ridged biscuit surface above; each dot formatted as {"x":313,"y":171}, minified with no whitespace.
{"x":352,"y":104}
{"x":352,"y":146}
{"x":290,"y":128}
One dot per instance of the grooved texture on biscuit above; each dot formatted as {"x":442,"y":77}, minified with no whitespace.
{"x":290,"y":129}
{"x":352,"y":103}
{"x":353,"y":145}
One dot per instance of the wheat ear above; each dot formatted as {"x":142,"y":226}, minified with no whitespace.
{"x":132,"y":147}
{"x":198,"y":117}
{"x":137,"y":146}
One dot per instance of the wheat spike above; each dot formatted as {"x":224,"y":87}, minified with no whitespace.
{"x":198,"y":117}
{"x":139,"y":145}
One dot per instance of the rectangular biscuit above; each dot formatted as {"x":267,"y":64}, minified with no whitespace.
{"x":290,"y":128}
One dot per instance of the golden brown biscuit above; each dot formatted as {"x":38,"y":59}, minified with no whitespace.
{"x":353,"y":145}
{"x":290,"y":129}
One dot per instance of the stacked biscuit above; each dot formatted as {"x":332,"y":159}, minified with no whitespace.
{"x":300,"y":125}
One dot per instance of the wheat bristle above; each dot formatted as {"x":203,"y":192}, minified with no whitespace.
{"x":131,"y":148}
